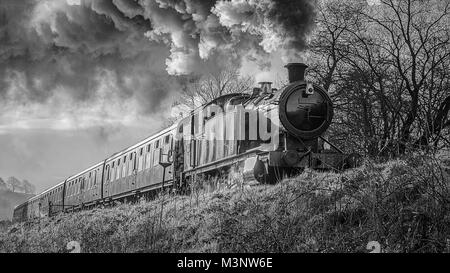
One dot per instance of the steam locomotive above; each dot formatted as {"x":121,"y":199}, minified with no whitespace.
{"x":263,"y":136}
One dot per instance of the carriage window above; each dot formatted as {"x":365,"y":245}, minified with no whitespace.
{"x":148,"y":148}
{"x":140,"y":151}
{"x":124,"y":159}
{"x":166,"y":139}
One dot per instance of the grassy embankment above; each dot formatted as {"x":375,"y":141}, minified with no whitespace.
{"x":402,"y":204}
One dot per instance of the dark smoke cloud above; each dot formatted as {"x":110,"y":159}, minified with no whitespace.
{"x":52,"y":50}
{"x":295,"y":19}
{"x":197,"y":31}
{"x":49,"y":47}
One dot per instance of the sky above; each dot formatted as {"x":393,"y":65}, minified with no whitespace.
{"x":82,"y":79}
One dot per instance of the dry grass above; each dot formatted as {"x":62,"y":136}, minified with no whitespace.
{"x":403,"y":204}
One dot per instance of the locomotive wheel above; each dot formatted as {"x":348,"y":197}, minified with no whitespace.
{"x":264,"y":174}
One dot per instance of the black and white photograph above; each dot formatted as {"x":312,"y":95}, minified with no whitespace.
{"x":240,"y":129}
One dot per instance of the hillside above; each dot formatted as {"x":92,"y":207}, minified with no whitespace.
{"x":402,"y":204}
{"x":10,"y":199}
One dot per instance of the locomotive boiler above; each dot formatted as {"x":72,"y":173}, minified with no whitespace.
{"x":263,"y":136}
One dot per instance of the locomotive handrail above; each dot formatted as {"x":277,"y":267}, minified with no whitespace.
{"x":331,"y":144}
{"x":255,"y":151}
{"x":63,"y":205}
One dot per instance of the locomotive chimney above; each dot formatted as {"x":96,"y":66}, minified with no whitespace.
{"x":296,"y":71}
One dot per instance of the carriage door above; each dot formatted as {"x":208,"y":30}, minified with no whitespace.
{"x":192,"y":144}
{"x":133,"y":171}
{"x":166,"y":156}
{"x":95,"y":191}
{"x":82,"y":191}
{"x":178,"y":156}
{"x":107,"y":178}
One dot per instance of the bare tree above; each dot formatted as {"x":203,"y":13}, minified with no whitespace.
{"x":417,"y":41}
{"x":207,"y":87}
{"x":385,"y":68}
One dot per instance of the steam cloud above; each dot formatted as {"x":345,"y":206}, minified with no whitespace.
{"x":112,"y":57}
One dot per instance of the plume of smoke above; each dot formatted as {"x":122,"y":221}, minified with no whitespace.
{"x":49,"y":47}
{"x":52,"y":49}
{"x":196,"y":31}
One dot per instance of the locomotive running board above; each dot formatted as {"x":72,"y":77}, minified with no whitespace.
{"x":224,"y":162}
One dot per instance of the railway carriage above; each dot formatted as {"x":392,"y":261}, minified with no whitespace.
{"x":20,"y":212}
{"x":33,"y":207}
{"x":84,"y":189}
{"x":50,"y":201}
{"x":263,"y":136}
{"x":137,"y":169}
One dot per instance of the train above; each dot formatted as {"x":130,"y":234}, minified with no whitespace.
{"x":262,"y":136}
